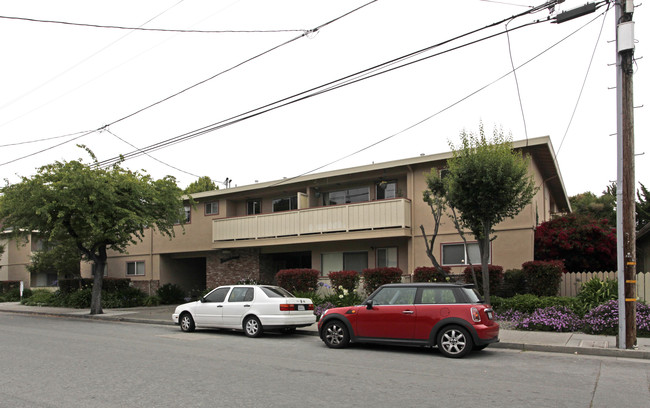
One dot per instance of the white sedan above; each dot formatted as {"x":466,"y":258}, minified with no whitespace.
{"x":251,"y":308}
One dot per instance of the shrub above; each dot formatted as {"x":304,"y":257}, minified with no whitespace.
{"x":554,"y":318}
{"x":170,"y":294}
{"x":430,"y":274}
{"x":315,"y":298}
{"x":126,"y":297}
{"x":79,"y":299}
{"x":13,"y":295}
{"x":543,"y":277}
{"x":596,"y":292}
{"x":496,"y":276}
{"x":298,"y":280}
{"x":39,"y":297}
{"x":529,"y":303}
{"x":67,"y":286}
{"x":603,"y":319}
{"x":374,"y":278}
{"x":321,"y":308}
{"x":151,"y":301}
{"x":514,"y":283}
{"x":6,"y":286}
{"x":344,"y":298}
{"x":348,"y":280}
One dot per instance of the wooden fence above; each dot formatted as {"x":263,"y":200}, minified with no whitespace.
{"x":572,"y":281}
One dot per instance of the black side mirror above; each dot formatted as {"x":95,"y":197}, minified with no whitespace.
{"x":202,"y":300}
{"x":369,"y":303}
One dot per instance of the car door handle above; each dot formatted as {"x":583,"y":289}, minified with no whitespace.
{"x":247,"y":305}
{"x":220,"y":306}
{"x":408,"y":312}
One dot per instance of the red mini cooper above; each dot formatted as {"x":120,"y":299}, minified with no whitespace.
{"x":449,"y":316}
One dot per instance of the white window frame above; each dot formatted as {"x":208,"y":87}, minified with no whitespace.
{"x":135,"y":268}
{"x":464,"y":261}
{"x":212,"y":205}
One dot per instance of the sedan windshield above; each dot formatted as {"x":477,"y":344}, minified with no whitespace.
{"x":275,"y":292}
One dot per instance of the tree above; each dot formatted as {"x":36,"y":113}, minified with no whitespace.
{"x":98,"y":209}
{"x":487,"y":182}
{"x":599,"y":208}
{"x":583,"y":243}
{"x":61,"y":257}
{"x":642,"y":207}
{"x":202,"y":184}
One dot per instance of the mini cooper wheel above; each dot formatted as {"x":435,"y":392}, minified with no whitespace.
{"x":454,"y":341}
{"x":253,"y":327}
{"x":187,"y":322}
{"x":335,"y":334}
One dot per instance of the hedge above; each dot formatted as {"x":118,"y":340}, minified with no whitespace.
{"x":496,"y":277}
{"x":543,"y":277}
{"x":430,"y":274}
{"x":348,"y":280}
{"x":374,"y":278}
{"x":298,"y":280}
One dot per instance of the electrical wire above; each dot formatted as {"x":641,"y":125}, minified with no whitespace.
{"x":196,"y":84}
{"x":164,"y":30}
{"x":150,"y":156}
{"x":42,"y":140}
{"x":514,"y":72}
{"x":444,"y":109}
{"x":345,"y":81}
{"x":584,"y":81}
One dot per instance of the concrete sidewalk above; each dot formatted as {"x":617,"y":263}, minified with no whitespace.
{"x":573,"y":343}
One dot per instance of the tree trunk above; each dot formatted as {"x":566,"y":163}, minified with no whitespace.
{"x":98,"y":280}
{"x":484,"y":248}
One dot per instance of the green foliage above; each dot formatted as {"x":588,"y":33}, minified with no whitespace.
{"x":597,"y":208}
{"x":204,"y":183}
{"x":344,"y":298}
{"x":316,"y":299}
{"x":495,"y":274}
{"x":39,"y":297}
{"x":596,"y":292}
{"x":374,"y":278}
{"x":487,"y":182}
{"x":13,"y":295}
{"x":124,"y":297}
{"x":543,"y":277}
{"x":151,"y":301}
{"x":298,"y":280}
{"x":430,"y":274}
{"x":79,"y":299}
{"x":529,"y":303}
{"x":344,"y":280}
{"x":100,"y":209}
{"x":514,"y":283}
{"x":170,"y":294}
{"x":642,"y":206}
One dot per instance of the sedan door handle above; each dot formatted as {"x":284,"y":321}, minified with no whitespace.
{"x":247,"y":305}
{"x":220,"y":306}
{"x":408,"y":312}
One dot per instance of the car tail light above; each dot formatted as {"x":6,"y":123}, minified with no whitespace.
{"x":289,"y":307}
{"x":475,"y":315}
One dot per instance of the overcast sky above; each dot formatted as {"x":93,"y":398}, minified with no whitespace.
{"x":59,"y":80}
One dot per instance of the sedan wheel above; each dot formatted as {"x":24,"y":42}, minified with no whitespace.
{"x":187,"y":323}
{"x":454,"y":341}
{"x":335,"y":334}
{"x":252,"y":327}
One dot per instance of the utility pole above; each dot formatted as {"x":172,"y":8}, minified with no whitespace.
{"x":625,"y":183}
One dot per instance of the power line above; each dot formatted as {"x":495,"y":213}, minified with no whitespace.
{"x":446,"y":108}
{"x":514,"y":72}
{"x":348,"y":80}
{"x":199,"y":83}
{"x":575,"y":108}
{"x":150,"y":156}
{"x":165,"y":30}
{"x":42,"y":140}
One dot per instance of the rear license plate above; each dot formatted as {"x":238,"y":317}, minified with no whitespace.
{"x":301,"y":308}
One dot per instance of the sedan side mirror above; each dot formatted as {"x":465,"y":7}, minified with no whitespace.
{"x":369,"y":303}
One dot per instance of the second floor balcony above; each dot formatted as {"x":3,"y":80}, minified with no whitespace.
{"x":373,"y":215}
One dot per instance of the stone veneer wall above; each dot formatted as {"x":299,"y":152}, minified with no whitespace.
{"x":150,"y":287}
{"x":227,"y":269}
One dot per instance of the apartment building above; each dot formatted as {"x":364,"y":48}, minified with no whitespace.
{"x":350,"y":219}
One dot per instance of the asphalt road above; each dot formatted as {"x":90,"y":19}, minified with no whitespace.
{"x":56,"y":362}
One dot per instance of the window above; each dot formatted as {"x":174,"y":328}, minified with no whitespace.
{"x":217,"y":296}
{"x":395,"y":296}
{"x":185,"y":214}
{"x":253,"y":207}
{"x":37,"y":244}
{"x":135,"y":268}
{"x":241,"y":295}
{"x":437,"y":296}
{"x":386,"y":189}
{"x":43,"y":279}
{"x":343,"y":261}
{"x":387,"y":257}
{"x":352,"y":195}
{"x":458,"y":254}
{"x":212,"y":208}
{"x":285,"y":204}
